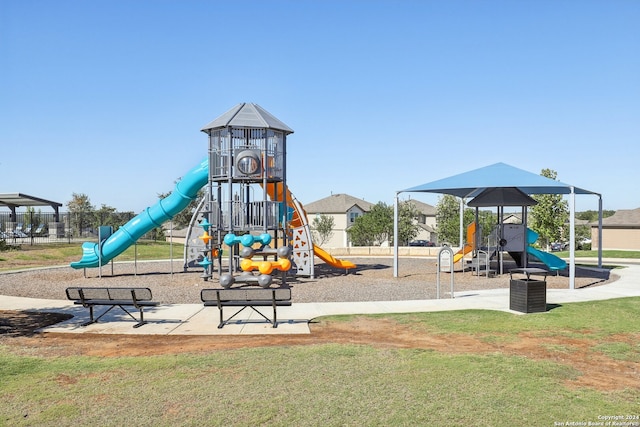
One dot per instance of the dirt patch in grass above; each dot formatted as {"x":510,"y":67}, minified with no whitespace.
{"x":597,"y":370}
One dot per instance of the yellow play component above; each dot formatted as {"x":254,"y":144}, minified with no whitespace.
{"x":265,"y":267}
{"x":470,"y":245}
{"x":205,"y":238}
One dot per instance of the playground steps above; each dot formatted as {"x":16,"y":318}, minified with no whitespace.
{"x":480,"y":263}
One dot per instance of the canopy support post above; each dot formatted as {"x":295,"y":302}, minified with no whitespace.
{"x":395,"y":235}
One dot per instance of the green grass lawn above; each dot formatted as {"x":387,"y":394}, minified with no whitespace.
{"x":29,"y":256}
{"x":605,"y":254}
{"x":342,"y":385}
{"x":334,"y":384}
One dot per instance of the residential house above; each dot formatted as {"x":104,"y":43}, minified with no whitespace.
{"x":344,"y":209}
{"x":619,"y":231}
{"x":426,"y":220}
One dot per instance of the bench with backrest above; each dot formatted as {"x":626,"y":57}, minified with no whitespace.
{"x":90,"y":297}
{"x":243,"y":297}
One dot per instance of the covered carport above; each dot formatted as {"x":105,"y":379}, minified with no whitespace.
{"x":470,"y":184}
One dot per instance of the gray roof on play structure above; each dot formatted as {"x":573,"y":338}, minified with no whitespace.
{"x":501,"y":196}
{"x":246,"y":115}
{"x":498,"y":175}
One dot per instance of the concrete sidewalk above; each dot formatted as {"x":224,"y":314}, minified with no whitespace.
{"x":195,"y":319}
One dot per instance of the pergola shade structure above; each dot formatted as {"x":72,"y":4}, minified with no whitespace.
{"x":16,"y":200}
{"x":502,"y":176}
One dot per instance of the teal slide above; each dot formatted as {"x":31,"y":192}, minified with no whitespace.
{"x":550,"y":260}
{"x":185,"y":191}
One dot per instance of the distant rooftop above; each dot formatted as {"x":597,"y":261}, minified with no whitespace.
{"x":622,"y":218}
{"x":337,"y":203}
{"x":424,"y":208}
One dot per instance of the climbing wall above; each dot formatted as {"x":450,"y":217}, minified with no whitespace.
{"x":302,"y":250}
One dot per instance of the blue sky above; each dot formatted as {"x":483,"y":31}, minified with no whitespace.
{"x":107,"y":98}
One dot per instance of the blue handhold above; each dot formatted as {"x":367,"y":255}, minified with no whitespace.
{"x":205,"y":263}
{"x":230,"y":239}
{"x":264,"y":238}
{"x":247,"y":240}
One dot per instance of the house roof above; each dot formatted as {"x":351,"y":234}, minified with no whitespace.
{"x":622,"y":217}
{"x":474,"y":182}
{"x":246,"y":115}
{"x":337,"y":203}
{"x":424,"y":208}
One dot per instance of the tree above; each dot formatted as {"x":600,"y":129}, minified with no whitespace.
{"x":106,"y":216}
{"x":81,"y":212}
{"x":487,"y":221}
{"x":376,"y":226}
{"x":408,"y":227}
{"x":448,"y":219}
{"x":31,"y":219}
{"x":322,"y":227}
{"x":592,"y":215}
{"x":550,"y":216}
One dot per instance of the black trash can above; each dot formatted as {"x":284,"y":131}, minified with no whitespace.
{"x":528,"y":295}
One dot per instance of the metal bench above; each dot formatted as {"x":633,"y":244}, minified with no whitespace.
{"x":252,"y":298}
{"x":90,"y":297}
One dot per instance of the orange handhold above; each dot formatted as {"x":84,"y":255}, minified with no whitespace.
{"x":265,"y":267}
{"x":247,"y":265}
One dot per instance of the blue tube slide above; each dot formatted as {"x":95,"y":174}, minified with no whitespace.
{"x":550,"y":260}
{"x":185,"y":191}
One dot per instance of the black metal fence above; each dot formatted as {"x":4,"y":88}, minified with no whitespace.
{"x":33,"y":227}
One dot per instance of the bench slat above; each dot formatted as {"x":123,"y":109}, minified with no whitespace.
{"x":262,"y":294}
{"x":117,"y":302}
{"x":257,"y":303}
{"x":91,"y":293}
{"x":263,"y":297}
{"x":112,"y":297}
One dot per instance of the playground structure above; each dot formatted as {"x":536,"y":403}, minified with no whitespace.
{"x":553,"y":262}
{"x":508,"y":238}
{"x":246,"y":199}
{"x":515,"y":239}
{"x":469,"y":245}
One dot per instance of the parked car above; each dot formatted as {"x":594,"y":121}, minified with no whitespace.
{"x":559,"y":246}
{"x":584,"y":244}
{"x":421,"y":243}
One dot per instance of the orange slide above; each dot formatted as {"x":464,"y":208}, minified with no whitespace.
{"x":469,"y":246}
{"x":329,"y":259}
{"x":299,"y":218}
